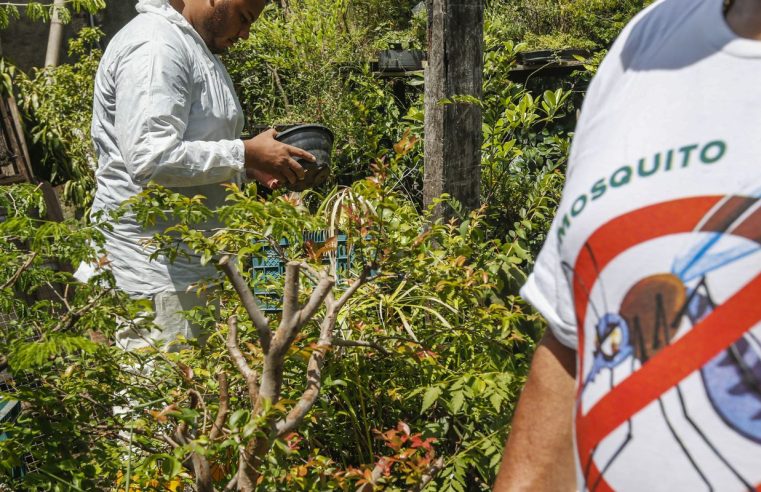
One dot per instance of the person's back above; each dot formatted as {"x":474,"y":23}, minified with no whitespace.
{"x":652,"y":270}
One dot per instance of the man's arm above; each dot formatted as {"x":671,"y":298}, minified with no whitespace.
{"x":539,"y":451}
{"x":153,"y":101}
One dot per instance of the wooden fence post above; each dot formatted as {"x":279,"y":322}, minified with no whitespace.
{"x":453,"y":134}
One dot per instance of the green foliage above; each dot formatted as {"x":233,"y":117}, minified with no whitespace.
{"x":527,"y":132}
{"x":52,"y":335}
{"x":45,"y":11}
{"x":58,"y":102}
{"x":443,"y":357}
{"x":588,"y":24}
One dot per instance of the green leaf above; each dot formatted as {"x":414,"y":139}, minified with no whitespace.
{"x":239,"y":417}
{"x":170,"y":466}
{"x":455,"y":404}
{"x":431,"y":395}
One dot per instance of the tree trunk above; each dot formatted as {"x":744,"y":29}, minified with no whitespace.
{"x":453,"y":134}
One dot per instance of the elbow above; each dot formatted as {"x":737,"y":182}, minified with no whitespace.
{"x":155,"y":163}
{"x":143,"y":168}
{"x":149,"y":152}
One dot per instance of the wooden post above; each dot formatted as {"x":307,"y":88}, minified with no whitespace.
{"x":453,"y":134}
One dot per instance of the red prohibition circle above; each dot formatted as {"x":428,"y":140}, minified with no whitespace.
{"x":723,"y":327}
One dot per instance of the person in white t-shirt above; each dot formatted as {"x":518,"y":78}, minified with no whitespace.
{"x":650,"y":375}
{"x":165,"y":111}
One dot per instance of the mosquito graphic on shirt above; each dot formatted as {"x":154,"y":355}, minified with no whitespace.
{"x":654,"y":309}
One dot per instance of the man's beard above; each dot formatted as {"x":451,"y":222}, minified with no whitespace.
{"x":214,"y":25}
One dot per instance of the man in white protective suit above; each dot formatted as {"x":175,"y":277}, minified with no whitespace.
{"x":165,"y":111}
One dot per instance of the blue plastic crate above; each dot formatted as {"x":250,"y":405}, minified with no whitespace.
{"x":272,"y":266}
{"x":9,"y":412}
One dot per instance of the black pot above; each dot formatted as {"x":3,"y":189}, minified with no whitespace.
{"x":318,"y":141}
{"x":397,"y":59}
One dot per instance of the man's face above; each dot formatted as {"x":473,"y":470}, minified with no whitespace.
{"x":226,"y":21}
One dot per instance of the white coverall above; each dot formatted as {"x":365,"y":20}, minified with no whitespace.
{"x":164,"y":110}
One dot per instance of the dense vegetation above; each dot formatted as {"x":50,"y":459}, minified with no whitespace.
{"x":426,"y":359}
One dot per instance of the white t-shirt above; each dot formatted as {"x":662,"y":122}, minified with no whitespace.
{"x":165,"y":110}
{"x":652,"y":268}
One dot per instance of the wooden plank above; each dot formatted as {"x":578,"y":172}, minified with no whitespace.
{"x":19,"y":128}
{"x":14,"y":143}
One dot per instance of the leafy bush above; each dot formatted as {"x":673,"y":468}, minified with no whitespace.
{"x":44,"y":11}
{"x":58,"y":103}
{"x":313,"y":65}
{"x":588,"y":24}
{"x":427,"y":347}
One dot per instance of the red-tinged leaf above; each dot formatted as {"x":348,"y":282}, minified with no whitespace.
{"x":426,"y":354}
{"x":162,"y":416}
{"x":330,"y":245}
{"x":187,"y":372}
{"x":309,"y":247}
{"x":400,"y":147}
{"x":403,"y":427}
{"x":407,"y":453}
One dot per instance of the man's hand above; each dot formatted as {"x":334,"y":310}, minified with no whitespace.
{"x":272,"y":162}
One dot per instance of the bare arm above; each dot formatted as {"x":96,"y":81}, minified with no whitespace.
{"x":539,"y":451}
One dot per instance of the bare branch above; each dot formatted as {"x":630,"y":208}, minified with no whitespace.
{"x":429,"y":474}
{"x":359,"y":343}
{"x":224,"y":407}
{"x":227,"y":265}
{"x":179,"y":434}
{"x":353,"y":289}
{"x":314,"y":383}
{"x":72,"y":317}
{"x":170,"y":441}
{"x":232,"y":484}
{"x":318,"y":296}
{"x":310,"y":272}
{"x":290,"y":298}
{"x":196,"y":401}
{"x":314,"y":373}
{"x":24,"y":266}
{"x":293,"y":317}
{"x":240,"y":360}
